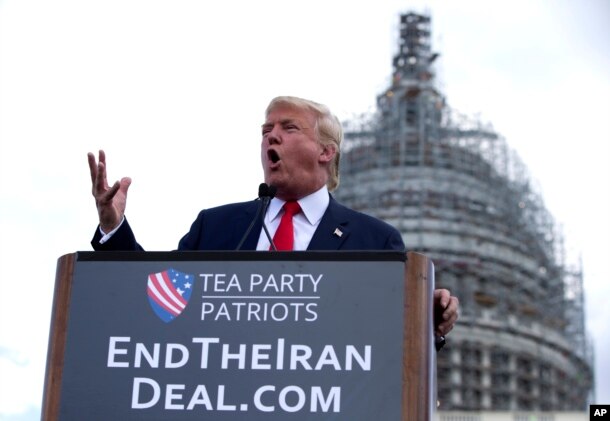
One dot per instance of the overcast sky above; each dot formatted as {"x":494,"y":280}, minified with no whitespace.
{"x":174,"y":91}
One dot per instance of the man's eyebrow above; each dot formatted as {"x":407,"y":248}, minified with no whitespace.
{"x":282,"y":122}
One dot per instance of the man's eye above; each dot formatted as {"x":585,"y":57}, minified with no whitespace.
{"x":291,"y":127}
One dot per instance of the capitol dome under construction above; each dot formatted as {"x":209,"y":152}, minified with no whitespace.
{"x":458,"y":194}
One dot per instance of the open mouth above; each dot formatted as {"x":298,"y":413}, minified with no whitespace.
{"x":273,"y":156}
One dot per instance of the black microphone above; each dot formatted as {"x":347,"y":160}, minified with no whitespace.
{"x":265,"y":194}
{"x":269,"y":193}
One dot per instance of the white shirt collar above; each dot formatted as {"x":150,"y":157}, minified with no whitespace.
{"x":312,"y":206}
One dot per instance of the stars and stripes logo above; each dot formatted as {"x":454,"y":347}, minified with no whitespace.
{"x":169,"y":293}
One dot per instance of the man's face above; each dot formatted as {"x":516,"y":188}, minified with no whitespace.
{"x":293,"y":159}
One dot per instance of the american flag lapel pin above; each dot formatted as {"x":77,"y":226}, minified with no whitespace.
{"x":338,"y":232}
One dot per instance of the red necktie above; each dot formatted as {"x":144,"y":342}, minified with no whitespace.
{"x":284,"y":236}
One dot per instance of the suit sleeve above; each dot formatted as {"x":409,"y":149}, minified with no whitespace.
{"x":395,"y":242}
{"x":122,"y":240}
{"x":192,"y":240}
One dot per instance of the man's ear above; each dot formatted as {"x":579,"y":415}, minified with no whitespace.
{"x":328,"y":153}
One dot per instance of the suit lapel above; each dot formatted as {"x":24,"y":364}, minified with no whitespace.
{"x":333,"y":229}
{"x":252,"y":240}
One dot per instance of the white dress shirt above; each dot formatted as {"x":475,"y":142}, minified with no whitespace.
{"x":305,"y":222}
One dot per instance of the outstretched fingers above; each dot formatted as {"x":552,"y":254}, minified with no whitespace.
{"x":110,"y":200}
{"x":92,"y":167}
{"x":97,"y":170}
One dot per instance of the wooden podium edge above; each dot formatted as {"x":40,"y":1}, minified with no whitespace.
{"x":57,"y":337}
{"x":418,"y":351}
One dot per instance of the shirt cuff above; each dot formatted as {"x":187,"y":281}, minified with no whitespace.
{"x":106,"y":237}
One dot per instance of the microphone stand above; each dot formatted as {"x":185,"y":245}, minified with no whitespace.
{"x":265,"y":194}
{"x":266,"y":201}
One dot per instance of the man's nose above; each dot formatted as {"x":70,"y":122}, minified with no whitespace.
{"x":274,"y":136}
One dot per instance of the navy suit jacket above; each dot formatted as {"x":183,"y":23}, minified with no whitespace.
{"x":223,"y":227}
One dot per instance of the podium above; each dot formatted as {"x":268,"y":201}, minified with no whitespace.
{"x":241,"y":335}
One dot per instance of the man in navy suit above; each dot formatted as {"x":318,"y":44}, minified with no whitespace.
{"x":300,"y":152}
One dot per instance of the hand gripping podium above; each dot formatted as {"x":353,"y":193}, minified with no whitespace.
{"x":241,"y":336}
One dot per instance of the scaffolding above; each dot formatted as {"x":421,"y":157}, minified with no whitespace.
{"x":459,"y":194}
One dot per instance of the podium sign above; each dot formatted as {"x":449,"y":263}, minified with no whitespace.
{"x":226,"y":336}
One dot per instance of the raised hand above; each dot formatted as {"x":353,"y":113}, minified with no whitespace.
{"x":110,"y":201}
